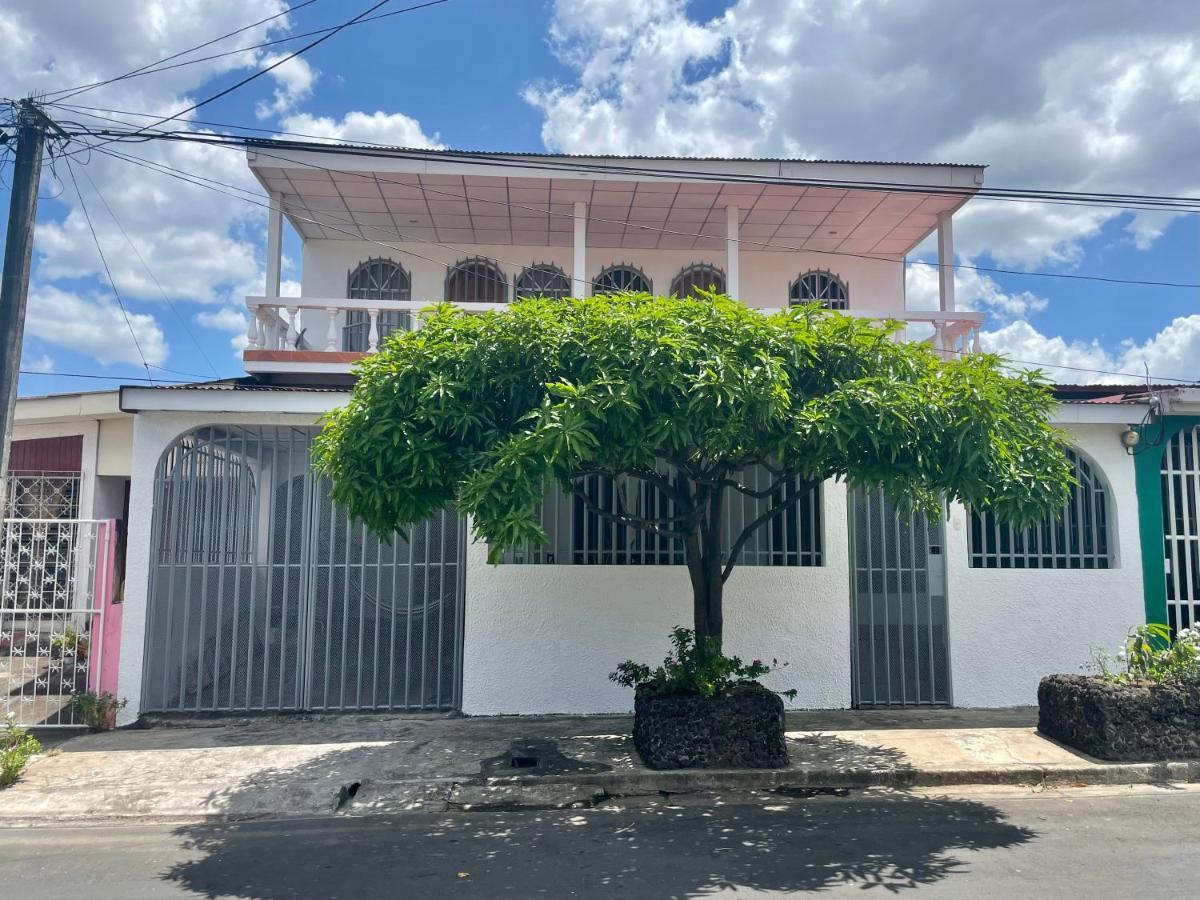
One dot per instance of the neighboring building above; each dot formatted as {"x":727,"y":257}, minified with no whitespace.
{"x":249,"y":590}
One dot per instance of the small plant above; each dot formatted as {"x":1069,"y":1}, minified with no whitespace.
{"x":71,"y":643}
{"x":694,"y":667}
{"x":16,"y":747}
{"x":1150,"y":653}
{"x":97,"y":711}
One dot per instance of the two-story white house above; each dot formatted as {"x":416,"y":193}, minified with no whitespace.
{"x":247,"y":589}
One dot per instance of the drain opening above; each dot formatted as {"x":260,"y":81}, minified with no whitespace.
{"x":346,"y":793}
{"x":523,"y":762}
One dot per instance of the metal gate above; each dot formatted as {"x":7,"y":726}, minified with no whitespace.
{"x":265,"y":596}
{"x":1181,"y":527}
{"x":900,"y":649}
{"x":56,"y":586}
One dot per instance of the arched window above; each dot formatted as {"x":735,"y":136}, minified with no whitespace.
{"x":622,"y":277}
{"x":542,"y":280}
{"x":819,"y":286}
{"x":476,"y":280}
{"x":375,"y":279}
{"x":1075,"y":538}
{"x":698,"y":276}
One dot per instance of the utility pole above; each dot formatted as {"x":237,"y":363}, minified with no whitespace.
{"x":18,"y":251}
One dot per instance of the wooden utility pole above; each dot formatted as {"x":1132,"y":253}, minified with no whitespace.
{"x":18,"y":251}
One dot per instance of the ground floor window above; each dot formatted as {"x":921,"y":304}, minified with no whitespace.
{"x":580,"y":536}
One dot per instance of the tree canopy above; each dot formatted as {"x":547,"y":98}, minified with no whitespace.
{"x":486,"y":411}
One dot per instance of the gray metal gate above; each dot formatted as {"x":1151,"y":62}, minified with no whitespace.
{"x":900,"y":648}
{"x":265,"y":596}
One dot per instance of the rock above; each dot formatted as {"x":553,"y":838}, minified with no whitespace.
{"x":1121,"y":721}
{"x":742,"y":728}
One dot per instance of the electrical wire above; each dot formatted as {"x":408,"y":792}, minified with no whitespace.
{"x":155,"y":381}
{"x":167,"y":170}
{"x":112,"y":283}
{"x":155,"y":68}
{"x":150,"y":272}
{"x":151,"y":68}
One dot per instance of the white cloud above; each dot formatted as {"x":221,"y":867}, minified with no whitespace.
{"x":203,"y":247}
{"x":1075,"y":95}
{"x":95,"y":327}
{"x":393,"y":129}
{"x":972,"y":290}
{"x":41,"y":363}
{"x":1172,"y":354}
{"x":294,"y":79}
{"x":224,"y":319}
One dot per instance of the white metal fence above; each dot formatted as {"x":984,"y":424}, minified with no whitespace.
{"x":56,"y":582}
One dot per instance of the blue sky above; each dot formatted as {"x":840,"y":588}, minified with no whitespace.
{"x":1113,"y":106}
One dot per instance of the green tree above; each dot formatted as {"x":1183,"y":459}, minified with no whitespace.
{"x":485,"y":412}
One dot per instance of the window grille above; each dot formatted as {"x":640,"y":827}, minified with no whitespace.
{"x":41,"y":495}
{"x":578,"y":536}
{"x":1076,"y":538}
{"x":375,"y":279}
{"x":819,"y":286}
{"x":698,"y":276}
{"x":476,"y":280}
{"x":542,"y":280}
{"x":622,"y":277}
{"x":1180,"y":475}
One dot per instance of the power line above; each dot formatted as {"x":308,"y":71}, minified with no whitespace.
{"x":155,"y":68}
{"x":150,"y":272}
{"x":145,"y":70}
{"x":112,"y":283}
{"x":1130,"y":201}
{"x":198,"y":180}
{"x":102,"y":377}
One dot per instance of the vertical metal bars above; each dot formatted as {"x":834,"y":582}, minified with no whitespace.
{"x":264,"y":596}
{"x":1076,"y":538}
{"x":1181,"y":527}
{"x":580,"y":536}
{"x":899,"y":637}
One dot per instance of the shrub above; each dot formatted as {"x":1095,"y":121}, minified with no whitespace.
{"x":71,"y":642}
{"x":694,"y":667}
{"x":97,"y":711}
{"x":16,"y":747}
{"x":1151,"y":653}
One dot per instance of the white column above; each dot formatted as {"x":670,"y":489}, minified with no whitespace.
{"x":579,"y":278}
{"x":731,"y":252}
{"x":274,"y":244}
{"x":945,"y":241}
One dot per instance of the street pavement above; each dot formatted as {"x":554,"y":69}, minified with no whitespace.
{"x":1090,"y":842}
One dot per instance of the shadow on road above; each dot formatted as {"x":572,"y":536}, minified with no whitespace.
{"x":892,"y":842}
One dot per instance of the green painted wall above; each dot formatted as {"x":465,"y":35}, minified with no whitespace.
{"x":1147,"y":462}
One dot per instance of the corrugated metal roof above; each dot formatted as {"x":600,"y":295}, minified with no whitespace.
{"x":268,"y":142}
{"x":248,"y":384}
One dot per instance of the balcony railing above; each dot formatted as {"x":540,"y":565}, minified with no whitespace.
{"x":326,"y":335}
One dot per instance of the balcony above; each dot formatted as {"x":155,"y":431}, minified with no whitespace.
{"x":298,"y":336}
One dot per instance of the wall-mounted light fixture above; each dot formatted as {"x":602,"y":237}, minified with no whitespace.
{"x":1130,"y":439}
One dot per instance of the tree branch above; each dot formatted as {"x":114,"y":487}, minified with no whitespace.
{"x":802,"y":490}
{"x":654,"y":526}
{"x":758,"y":495}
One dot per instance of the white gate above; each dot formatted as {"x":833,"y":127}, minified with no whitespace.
{"x":1181,"y":527}
{"x":56,"y":583}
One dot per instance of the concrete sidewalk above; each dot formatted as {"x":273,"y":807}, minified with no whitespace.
{"x":302,"y":766}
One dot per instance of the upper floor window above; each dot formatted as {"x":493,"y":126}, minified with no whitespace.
{"x":622,"y":277}
{"x":542,"y":280}
{"x":476,"y":280}
{"x":375,"y":279}
{"x":698,"y":276}
{"x":819,"y":286}
{"x":1076,"y":538}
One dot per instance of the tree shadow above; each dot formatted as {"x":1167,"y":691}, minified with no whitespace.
{"x":892,"y":841}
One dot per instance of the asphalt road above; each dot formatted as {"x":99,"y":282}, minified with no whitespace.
{"x":1090,"y":843}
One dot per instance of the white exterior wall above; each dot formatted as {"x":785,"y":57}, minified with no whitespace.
{"x":543,"y":638}
{"x":764,"y":277}
{"x":1009,"y":627}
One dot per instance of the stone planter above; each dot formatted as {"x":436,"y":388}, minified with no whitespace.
{"x":1131,"y":722}
{"x":741,"y":729}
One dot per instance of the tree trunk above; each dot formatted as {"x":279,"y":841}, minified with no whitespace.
{"x":703,"y":553}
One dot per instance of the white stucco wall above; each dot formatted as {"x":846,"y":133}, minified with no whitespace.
{"x":1009,"y":627}
{"x":542,"y":639}
{"x":764,"y":276}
